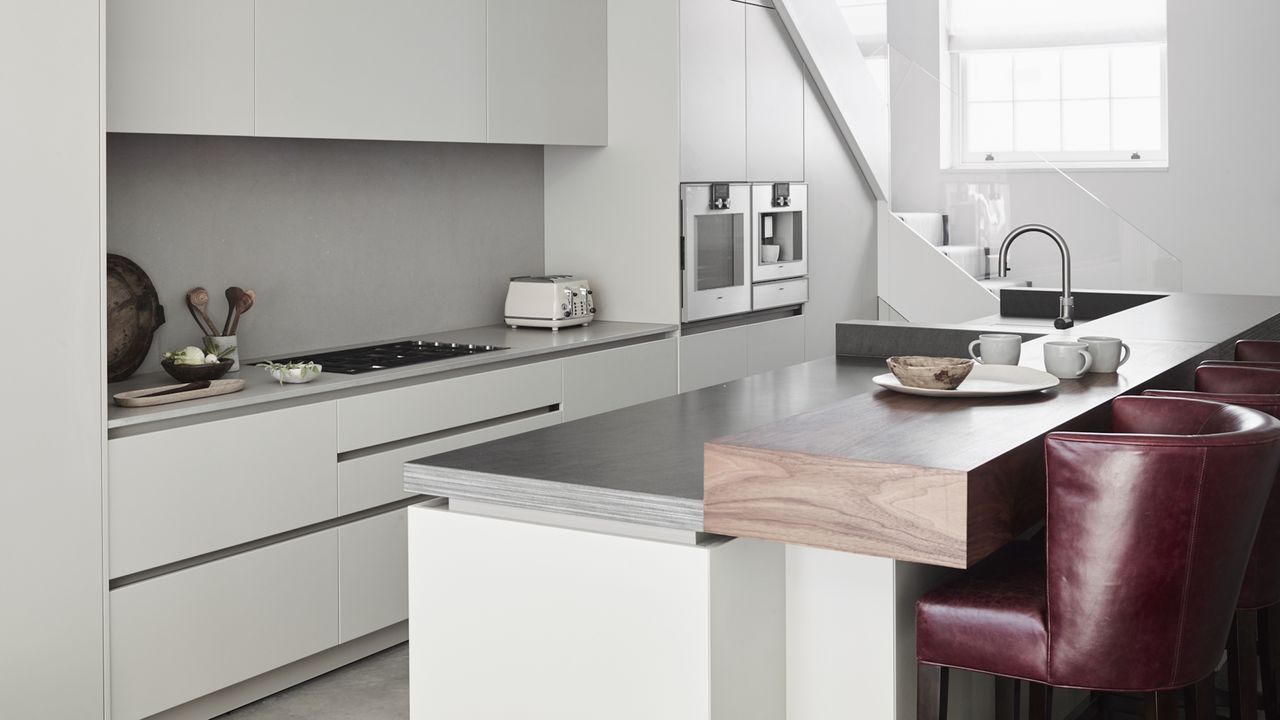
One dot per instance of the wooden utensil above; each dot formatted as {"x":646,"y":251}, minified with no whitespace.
{"x":233,"y":294}
{"x":198,"y":301}
{"x":246,"y":302}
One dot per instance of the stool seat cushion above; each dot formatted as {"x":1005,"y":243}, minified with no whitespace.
{"x":993,"y":620}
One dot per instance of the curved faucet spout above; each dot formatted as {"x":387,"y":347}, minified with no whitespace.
{"x":1066,"y":304}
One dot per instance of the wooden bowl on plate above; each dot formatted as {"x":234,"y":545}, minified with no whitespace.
{"x":195,"y":373}
{"x":935,"y":373}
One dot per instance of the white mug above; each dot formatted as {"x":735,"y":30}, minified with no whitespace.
{"x":1067,"y":360}
{"x":1108,"y":353}
{"x":997,"y":349}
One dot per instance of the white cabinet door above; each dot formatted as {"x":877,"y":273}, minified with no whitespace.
{"x":713,"y":85}
{"x":371,"y":69}
{"x":174,"y":494}
{"x":775,"y":344}
{"x":547,"y":72}
{"x":181,"y":636}
{"x":390,"y":415}
{"x":775,"y":100}
{"x":369,"y":480}
{"x":602,"y":381}
{"x":180,"y":66}
{"x":373,"y":574}
{"x":713,"y":357}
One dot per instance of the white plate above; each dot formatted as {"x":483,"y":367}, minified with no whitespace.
{"x":984,"y":381}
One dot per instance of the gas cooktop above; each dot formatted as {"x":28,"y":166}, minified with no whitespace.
{"x":390,"y":355}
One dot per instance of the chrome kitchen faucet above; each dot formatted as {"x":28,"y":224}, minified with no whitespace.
{"x":1066,"y":304}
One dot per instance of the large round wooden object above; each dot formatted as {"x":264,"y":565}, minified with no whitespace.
{"x":133,"y":314}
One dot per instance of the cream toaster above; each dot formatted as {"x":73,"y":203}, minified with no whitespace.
{"x":549,"y":301}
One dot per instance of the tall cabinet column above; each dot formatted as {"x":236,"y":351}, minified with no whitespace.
{"x":51,"y":511}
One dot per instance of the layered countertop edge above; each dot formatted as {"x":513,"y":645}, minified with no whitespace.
{"x":650,"y":509}
{"x":524,"y":345}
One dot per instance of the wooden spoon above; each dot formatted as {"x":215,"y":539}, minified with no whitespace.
{"x":197,"y":301}
{"x":242,"y":307}
{"x":234,"y":294}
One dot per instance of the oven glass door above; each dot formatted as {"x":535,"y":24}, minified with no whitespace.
{"x":779,"y":235}
{"x":717,"y":276}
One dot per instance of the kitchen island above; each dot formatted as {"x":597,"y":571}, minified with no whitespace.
{"x":596,"y":560}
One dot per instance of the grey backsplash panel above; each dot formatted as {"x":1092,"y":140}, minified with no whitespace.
{"x":344,"y":242}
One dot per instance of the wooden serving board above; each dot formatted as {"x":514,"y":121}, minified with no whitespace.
{"x":137,"y":398}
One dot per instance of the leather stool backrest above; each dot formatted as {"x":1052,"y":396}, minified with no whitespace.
{"x":1254,"y":388}
{"x":1149,"y":530}
{"x":1265,"y":350}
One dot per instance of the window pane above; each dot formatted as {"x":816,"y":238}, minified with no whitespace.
{"x":1035,"y":76}
{"x":989,"y":76}
{"x":1086,"y":125}
{"x":1135,"y":71}
{"x":1136,"y":124}
{"x":1037,"y":126}
{"x":1085,"y":73}
{"x":989,"y":127}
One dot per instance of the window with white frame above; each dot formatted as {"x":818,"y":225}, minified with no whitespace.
{"x":1076,"y":82}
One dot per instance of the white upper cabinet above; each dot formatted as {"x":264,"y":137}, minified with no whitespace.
{"x":547,"y":72}
{"x":371,"y":69}
{"x":775,"y":100}
{"x":713,"y":89}
{"x":180,"y":66}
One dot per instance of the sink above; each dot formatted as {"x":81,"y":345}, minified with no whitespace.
{"x":1034,"y":304}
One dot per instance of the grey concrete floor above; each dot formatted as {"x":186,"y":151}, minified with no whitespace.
{"x":375,"y":688}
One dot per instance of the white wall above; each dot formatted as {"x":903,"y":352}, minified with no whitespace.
{"x":612,"y":212}
{"x":53,"y":379}
{"x":1213,"y":208}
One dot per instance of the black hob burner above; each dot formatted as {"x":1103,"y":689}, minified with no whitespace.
{"x":390,"y":355}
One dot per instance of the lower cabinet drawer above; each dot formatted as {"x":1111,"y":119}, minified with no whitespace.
{"x":378,"y":478}
{"x":373,"y":574}
{"x":175,"y":494}
{"x":180,"y":636}
{"x":610,"y":379}
{"x":775,"y":344}
{"x":778,"y":294}
{"x":711,"y":358}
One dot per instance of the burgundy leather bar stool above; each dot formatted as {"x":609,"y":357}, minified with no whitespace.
{"x":1148,"y":533}
{"x":1258,"y":350}
{"x":1255,"y":635}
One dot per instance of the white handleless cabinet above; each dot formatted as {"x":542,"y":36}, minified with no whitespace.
{"x":178,"y":493}
{"x":775,"y":100}
{"x":547,"y":79}
{"x":603,"y":381}
{"x":713,"y":357}
{"x":713,"y":81}
{"x":775,"y":344}
{"x":371,"y":69}
{"x":373,"y":580}
{"x":180,"y":66}
{"x":181,"y":636}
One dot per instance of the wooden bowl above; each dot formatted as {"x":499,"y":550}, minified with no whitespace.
{"x":935,"y":373}
{"x":195,"y":373}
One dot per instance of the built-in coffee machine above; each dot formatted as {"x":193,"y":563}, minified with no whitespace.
{"x":743,"y":247}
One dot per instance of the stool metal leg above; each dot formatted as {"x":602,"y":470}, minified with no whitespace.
{"x":931,"y":692}
{"x":1242,"y":665}
{"x":1041,"y":702}
{"x":1162,"y":705}
{"x":1201,"y":700}
{"x":1006,"y":689}
{"x":1269,"y":659}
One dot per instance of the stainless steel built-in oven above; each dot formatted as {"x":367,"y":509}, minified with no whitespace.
{"x":779,"y":231}
{"x":715,"y":249}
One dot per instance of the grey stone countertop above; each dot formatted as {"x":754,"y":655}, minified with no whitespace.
{"x":638,"y":464}
{"x":522,"y":344}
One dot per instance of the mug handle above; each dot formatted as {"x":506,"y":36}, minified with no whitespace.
{"x":974,"y":344}
{"x":1088,"y":362}
{"x":1124,"y":355}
